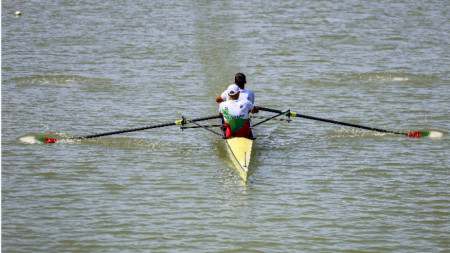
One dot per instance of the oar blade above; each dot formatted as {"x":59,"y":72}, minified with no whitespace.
{"x":36,"y":139}
{"x":45,"y":140}
{"x":430,"y":134}
{"x":418,"y":134}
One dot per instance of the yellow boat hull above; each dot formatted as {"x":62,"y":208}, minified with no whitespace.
{"x":240,"y":150}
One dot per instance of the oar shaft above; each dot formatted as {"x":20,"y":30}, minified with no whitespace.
{"x":123,"y":131}
{"x":178,"y":122}
{"x":331,"y":121}
{"x":201,"y":126}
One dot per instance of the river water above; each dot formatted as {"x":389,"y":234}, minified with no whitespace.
{"x":74,"y":68}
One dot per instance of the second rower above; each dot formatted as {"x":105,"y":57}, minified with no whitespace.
{"x":240,"y":81}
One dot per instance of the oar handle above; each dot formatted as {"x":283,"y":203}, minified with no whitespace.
{"x":293,"y":114}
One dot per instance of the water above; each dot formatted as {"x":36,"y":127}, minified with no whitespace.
{"x":85,"y":67}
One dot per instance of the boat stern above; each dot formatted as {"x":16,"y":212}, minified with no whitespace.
{"x":240,"y":149}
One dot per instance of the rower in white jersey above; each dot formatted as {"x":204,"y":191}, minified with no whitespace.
{"x":235,"y":113}
{"x":240,"y":81}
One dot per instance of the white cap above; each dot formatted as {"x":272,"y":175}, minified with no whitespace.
{"x":233,"y":90}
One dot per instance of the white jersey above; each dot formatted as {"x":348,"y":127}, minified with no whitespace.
{"x":235,"y":112}
{"x":244,"y":94}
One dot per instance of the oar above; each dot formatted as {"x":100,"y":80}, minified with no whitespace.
{"x":188,"y":127}
{"x":271,"y":118}
{"x":293,"y":114}
{"x":178,"y":122}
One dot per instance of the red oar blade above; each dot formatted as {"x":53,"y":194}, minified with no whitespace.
{"x":418,"y":134}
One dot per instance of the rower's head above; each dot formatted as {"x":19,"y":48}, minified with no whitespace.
{"x":233,"y":91}
{"x":239,"y":80}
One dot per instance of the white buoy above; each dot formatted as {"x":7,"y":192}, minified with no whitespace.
{"x":18,"y":13}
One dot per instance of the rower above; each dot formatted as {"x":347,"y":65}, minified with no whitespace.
{"x":235,"y":114}
{"x":240,"y":81}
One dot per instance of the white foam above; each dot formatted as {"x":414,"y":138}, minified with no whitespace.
{"x":69,"y":141}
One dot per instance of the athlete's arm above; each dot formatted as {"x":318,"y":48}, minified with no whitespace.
{"x":219,"y":99}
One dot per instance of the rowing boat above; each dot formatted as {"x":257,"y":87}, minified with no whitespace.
{"x":240,"y":150}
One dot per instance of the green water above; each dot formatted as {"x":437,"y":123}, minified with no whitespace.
{"x":74,"y":68}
